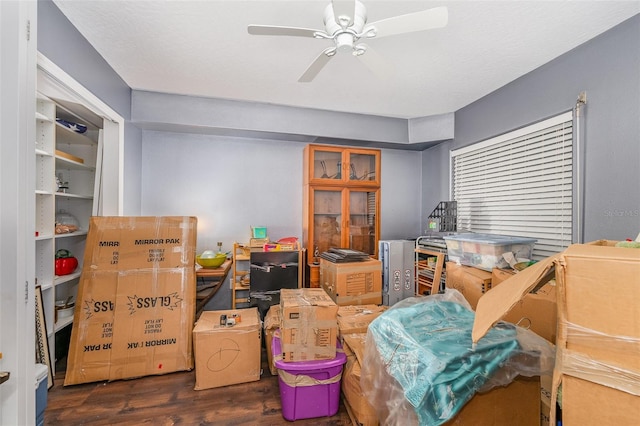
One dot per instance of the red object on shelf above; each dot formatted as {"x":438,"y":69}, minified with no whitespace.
{"x":66,"y":265}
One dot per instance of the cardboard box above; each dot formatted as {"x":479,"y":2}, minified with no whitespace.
{"x":271,"y":325}
{"x":598,"y":301}
{"x":128,"y":243}
{"x":355,"y":283}
{"x":135,"y":301}
{"x":469,"y":281}
{"x":364,"y":413}
{"x":515,"y":404}
{"x":498,"y":275}
{"x":309,"y":326}
{"x":598,"y":333}
{"x":536,"y":311}
{"x":227,"y":354}
{"x":588,"y":403}
{"x":356,"y":318}
{"x":353,"y":322}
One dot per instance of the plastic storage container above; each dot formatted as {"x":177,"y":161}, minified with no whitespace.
{"x":484,"y":251}
{"x":41,"y":392}
{"x":309,"y":389}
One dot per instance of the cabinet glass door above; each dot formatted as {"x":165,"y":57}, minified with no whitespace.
{"x":363,"y":167}
{"x":363,"y":209}
{"x":327,"y":220}
{"x":326,"y":164}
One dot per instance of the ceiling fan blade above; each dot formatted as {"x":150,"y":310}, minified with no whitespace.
{"x":317,"y":65}
{"x":274,"y":30}
{"x":375,"y":62}
{"x":344,"y":8}
{"x":411,"y":22}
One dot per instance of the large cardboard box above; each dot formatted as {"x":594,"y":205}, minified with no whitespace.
{"x":227,"y":354}
{"x":598,"y":333}
{"x":271,"y":327}
{"x":588,"y":403}
{"x":309,"y":325}
{"x":471,"y":282}
{"x":598,"y":291}
{"x":136,"y":296}
{"x":354,"y":283}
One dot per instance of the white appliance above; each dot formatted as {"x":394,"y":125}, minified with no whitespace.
{"x":398,"y":268}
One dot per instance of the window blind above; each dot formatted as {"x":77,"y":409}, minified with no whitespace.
{"x":519,"y":184}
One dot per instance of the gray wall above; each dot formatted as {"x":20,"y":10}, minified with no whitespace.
{"x":232,"y":183}
{"x":608,"y":69}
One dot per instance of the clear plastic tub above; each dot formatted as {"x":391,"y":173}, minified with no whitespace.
{"x":484,"y":251}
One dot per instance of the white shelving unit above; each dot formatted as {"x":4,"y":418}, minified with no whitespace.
{"x":53,"y":146}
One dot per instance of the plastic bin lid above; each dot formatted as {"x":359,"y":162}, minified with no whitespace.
{"x":490,"y":238}
{"x":41,"y":372}
{"x":319,"y":364}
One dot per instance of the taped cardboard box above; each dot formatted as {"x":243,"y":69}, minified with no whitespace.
{"x":309,"y":325}
{"x":471,"y":282}
{"x":354,"y":283}
{"x":271,"y":325}
{"x":598,"y":334}
{"x":598,"y":299}
{"x":227,"y":354}
{"x":356,"y":318}
{"x":134,"y":321}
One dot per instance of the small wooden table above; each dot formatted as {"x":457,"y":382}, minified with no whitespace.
{"x":208,"y":282}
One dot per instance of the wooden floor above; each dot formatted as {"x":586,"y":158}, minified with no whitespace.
{"x":171,"y":400}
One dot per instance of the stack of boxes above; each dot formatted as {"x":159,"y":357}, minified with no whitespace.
{"x":597,"y":365}
{"x":353,"y":322}
{"x":307,"y":355}
{"x":598,"y":345}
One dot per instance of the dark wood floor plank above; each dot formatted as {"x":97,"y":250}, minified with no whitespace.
{"x":171,"y":400}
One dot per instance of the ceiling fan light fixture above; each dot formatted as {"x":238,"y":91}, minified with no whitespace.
{"x":359,"y":50}
{"x":344,"y":41}
{"x":346,"y":30}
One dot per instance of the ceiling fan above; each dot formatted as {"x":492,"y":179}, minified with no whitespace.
{"x":345,"y":22}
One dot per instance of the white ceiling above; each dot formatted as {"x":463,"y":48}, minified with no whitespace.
{"x":202,"y":48}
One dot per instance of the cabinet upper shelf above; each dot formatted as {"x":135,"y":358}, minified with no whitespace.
{"x":65,"y":163}
{"x":66,"y":135}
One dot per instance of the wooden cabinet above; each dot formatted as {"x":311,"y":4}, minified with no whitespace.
{"x":341,"y":201}
{"x":335,"y":165}
{"x":240,"y":278}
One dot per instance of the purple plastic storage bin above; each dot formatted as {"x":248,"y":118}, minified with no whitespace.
{"x":309,"y":389}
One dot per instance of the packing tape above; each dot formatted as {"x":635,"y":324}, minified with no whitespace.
{"x":583,"y":367}
{"x":302,"y":380}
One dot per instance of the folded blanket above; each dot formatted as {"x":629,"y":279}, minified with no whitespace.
{"x":427,"y":348}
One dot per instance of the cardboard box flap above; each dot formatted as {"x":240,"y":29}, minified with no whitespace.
{"x":356,"y":343}
{"x":498,"y":301}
